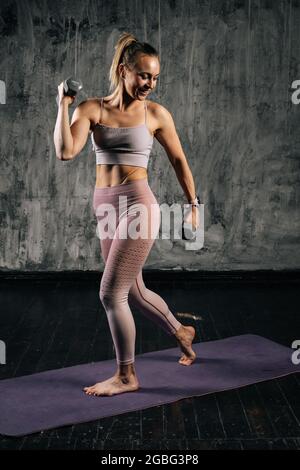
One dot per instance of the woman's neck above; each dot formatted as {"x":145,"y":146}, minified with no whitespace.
{"x":122,"y":101}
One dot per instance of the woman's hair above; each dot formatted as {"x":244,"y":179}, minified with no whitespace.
{"x":126,"y":51}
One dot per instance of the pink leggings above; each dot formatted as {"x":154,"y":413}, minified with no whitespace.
{"x":122,"y":279}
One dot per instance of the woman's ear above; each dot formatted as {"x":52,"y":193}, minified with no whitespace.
{"x":122,"y":71}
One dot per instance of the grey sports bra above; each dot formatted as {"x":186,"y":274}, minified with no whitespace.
{"x":122,"y":145}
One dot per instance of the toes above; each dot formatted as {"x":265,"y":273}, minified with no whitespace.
{"x":186,"y":361}
{"x":88,"y":390}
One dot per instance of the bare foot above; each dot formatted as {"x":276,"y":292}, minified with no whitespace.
{"x":185,"y":336}
{"x":113,"y":386}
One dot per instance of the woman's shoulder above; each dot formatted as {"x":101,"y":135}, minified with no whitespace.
{"x":89,"y":103}
{"x":161,"y":108}
{"x":157,"y":108}
{"x":159,"y":112}
{"x":89,"y":107}
{"x":92,"y":101}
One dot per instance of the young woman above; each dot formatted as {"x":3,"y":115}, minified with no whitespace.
{"x":122,"y":127}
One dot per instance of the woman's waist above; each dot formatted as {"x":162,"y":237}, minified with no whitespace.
{"x":124,"y":195}
{"x":113,"y":175}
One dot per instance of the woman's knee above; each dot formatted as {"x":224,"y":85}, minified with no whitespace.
{"x":111,"y":298}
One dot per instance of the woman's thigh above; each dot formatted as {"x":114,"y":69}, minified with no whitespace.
{"x":126,"y":253}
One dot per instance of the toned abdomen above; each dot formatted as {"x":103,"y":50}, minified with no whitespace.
{"x":112,"y":175}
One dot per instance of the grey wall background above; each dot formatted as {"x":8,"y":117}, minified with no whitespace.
{"x":226,"y":74}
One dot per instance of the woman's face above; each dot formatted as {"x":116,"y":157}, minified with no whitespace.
{"x":140,"y":81}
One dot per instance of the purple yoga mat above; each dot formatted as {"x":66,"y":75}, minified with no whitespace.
{"x":55,"y":398}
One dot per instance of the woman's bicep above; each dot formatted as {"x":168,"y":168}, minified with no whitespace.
{"x":167,"y":136}
{"x":80,"y":126}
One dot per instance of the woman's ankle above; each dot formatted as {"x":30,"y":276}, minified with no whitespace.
{"x":178,"y":333}
{"x":126,"y":370}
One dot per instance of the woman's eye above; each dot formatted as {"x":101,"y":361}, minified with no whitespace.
{"x":145,"y":78}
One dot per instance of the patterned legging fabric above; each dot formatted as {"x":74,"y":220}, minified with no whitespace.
{"x":128,"y":220}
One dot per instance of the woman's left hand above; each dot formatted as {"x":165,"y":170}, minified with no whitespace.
{"x":193,"y":217}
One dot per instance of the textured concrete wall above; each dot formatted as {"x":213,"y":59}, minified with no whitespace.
{"x":226,"y":73}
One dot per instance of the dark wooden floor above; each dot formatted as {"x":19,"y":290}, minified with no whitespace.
{"x":52,"y":324}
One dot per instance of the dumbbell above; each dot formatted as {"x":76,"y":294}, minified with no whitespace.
{"x":71,"y":87}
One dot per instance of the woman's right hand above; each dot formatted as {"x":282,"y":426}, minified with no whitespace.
{"x":62,"y":97}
